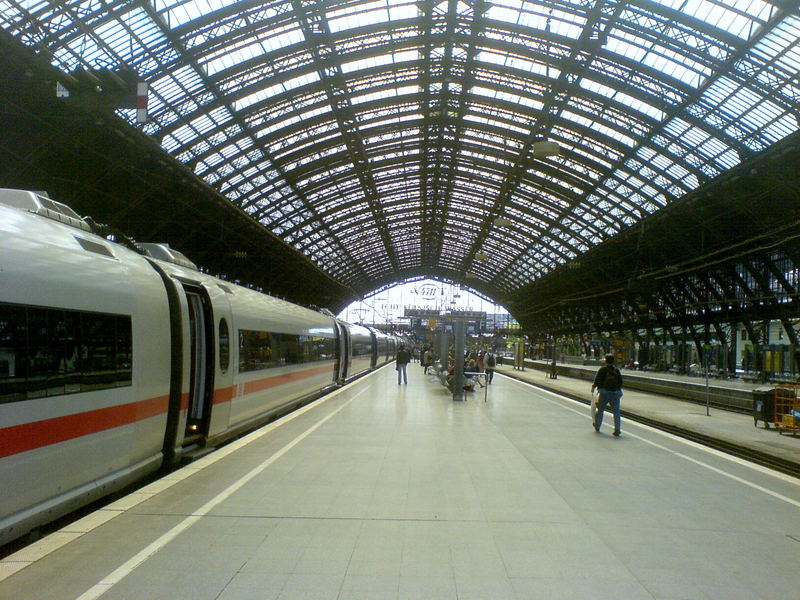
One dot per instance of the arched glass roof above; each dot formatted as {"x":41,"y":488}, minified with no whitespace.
{"x":384,"y":138}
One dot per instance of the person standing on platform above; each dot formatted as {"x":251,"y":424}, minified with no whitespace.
{"x":402,"y":359}
{"x":608,"y":382}
{"x":491,"y":362}
{"x":427,"y":359}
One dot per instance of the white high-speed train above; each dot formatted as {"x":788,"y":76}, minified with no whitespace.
{"x":115,"y":362}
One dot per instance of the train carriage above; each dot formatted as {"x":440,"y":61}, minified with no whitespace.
{"x":116,"y":360}
{"x":361,"y":350}
{"x":83,"y":395}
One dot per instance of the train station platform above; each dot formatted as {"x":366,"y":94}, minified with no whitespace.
{"x":733,"y":431}
{"x":386,"y":491}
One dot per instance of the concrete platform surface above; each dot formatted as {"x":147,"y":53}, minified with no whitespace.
{"x":733,"y":427}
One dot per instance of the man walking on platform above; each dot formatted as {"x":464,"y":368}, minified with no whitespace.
{"x":491,"y":362}
{"x":402,"y":359}
{"x":608,"y":382}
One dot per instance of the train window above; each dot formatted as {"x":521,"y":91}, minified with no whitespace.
{"x":262,"y":350}
{"x":98,"y":358}
{"x":224,"y":346}
{"x":289,"y":348}
{"x":50,"y":352}
{"x":320,"y":348}
{"x":255,"y":351}
{"x":362,"y":347}
{"x":297,"y":349}
{"x":124,"y":351}
{"x":13,"y":345}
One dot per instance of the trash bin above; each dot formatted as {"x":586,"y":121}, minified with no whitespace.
{"x":763,"y":405}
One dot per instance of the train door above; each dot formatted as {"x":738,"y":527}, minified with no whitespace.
{"x":375,"y":350}
{"x":201,"y":375}
{"x":343,"y":347}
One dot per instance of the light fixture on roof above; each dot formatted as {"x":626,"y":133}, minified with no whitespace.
{"x":481,"y":256}
{"x":502,"y":222}
{"x":545,"y":149}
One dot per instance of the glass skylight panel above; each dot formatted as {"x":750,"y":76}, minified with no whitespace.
{"x":623,"y":98}
{"x":671,"y":67}
{"x":33,"y":6}
{"x":576,"y":118}
{"x":780,"y":76}
{"x":401,"y":56}
{"x":187,"y":78}
{"x":139,"y":21}
{"x":180,"y":12}
{"x":614,"y":133}
{"x":679,"y":173}
{"x":503,"y":12}
{"x":501,"y":125}
{"x":781,"y":44}
{"x":407,"y":89}
{"x":689,"y":134}
{"x":492,"y":57}
{"x":364,"y":63}
{"x":250,"y":99}
{"x":622,"y":43}
{"x":198,"y":126}
{"x":761,"y":114}
{"x":117,"y":37}
{"x":227,"y":58}
{"x":401,"y":9}
{"x":304,"y":79}
{"x":728,"y":15}
{"x":517,"y":99}
{"x":780,"y":128}
{"x":603,"y":159}
{"x":655,"y":160}
{"x":530,"y":66}
{"x":82,"y":50}
{"x":275,"y":126}
{"x":169,"y":89}
{"x":283,"y":37}
{"x":740,"y":103}
{"x":367,"y":13}
{"x":185,"y":134}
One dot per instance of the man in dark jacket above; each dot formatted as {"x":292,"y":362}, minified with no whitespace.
{"x":402,"y":359}
{"x":608,"y":382}
{"x":490,"y":362}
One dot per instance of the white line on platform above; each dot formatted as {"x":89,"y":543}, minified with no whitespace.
{"x":30,"y":554}
{"x":124,"y":570}
{"x":761,"y":469}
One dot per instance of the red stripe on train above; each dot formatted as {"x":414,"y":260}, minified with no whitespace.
{"x":223,"y":395}
{"x":30,"y":436}
{"x":263,"y":384}
{"x":38,"y":434}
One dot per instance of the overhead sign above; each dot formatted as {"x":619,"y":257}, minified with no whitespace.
{"x":427,"y":292}
{"x":422,"y":313}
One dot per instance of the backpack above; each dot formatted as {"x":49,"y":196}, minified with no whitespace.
{"x":490,"y":361}
{"x":613,"y":380}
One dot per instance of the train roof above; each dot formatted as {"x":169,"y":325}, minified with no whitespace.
{"x":40,"y":204}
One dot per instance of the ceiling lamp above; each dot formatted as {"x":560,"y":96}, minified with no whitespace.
{"x":545,"y":149}
{"x":502,"y":222}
